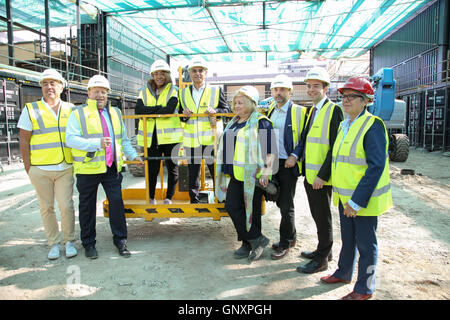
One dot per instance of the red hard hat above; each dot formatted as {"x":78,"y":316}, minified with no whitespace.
{"x":360,"y":84}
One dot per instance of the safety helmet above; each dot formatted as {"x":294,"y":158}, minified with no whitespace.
{"x":281,"y":81}
{"x":98,"y":81}
{"x":250,"y":92}
{"x":159,"y":65}
{"x":318,"y":73}
{"x":51,"y":74}
{"x":360,"y":84}
{"x":197,"y":63}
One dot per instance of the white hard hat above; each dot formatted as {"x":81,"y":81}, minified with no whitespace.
{"x":98,"y":81}
{"x":318,"y":73}
{"x":281,"y":81}
{"x":51,"y":74}
{"x":197,"y":63}
{"x":159,"y":65}
{"x":250,"y":92}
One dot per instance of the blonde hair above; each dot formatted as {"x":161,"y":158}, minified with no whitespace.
{"x":249,"y":103}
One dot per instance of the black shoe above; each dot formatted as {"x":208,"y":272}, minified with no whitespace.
{"x":258,"y":246}
{"x":243,"y":251}
{"x":313,"y":267}
{"x":276,"y":245}
{"x":312,"y":255}
{"x":123,"y":250}
{"x":91,"y":252}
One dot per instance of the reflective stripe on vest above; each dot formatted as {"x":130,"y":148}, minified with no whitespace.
{"x":349,"y":166}
{"x":317,"y":142}
{"x":198,"y":130}
{"x":168,"y":129}
{"x":91,"y":127}
{"x":239,"y":160}
{"x":48,"y":139}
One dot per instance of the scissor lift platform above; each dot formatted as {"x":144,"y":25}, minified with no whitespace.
{"x":137,"y":202}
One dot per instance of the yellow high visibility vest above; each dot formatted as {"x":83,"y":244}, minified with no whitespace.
{"x":298,"y":116}
{"x":168,"y":130}
{"x":48,"y":139}
{"x":239,"y":160}
{"x":349,"y":166}
{"x":197,"y":130}
{"x":318,"y":142}
{"x":91,"y":127}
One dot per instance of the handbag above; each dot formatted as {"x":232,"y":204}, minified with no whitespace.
{"x":271,"y":191}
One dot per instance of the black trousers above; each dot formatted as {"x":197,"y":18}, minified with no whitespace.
{"x":87,"y":186}
{"x":156,"y":150}
{"x":234,"y":204}
{"x":287,"y":179}
{"x":193,"y":155}
{"x":319,"y":204}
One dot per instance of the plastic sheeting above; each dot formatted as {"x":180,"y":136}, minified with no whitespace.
{"x":243,"y":30}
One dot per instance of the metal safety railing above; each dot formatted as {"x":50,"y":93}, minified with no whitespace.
{"x":146,"y":157}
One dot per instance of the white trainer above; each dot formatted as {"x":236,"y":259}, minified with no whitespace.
{"x":71,"y":251}
{"x":167,"y":201}
{"x":54,"y":252}
{"x":152,"y":201}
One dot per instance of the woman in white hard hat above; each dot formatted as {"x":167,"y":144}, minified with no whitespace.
{"x":243,"y":146}
{"x":160,"y":96}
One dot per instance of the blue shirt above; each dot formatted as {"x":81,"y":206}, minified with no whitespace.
{"x":75,"y":140}
{"x":278,"y":118}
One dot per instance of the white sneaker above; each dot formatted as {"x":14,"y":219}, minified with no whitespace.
{"x":54,"y":252}
{"x":152,"y":201}
{"x":71,"y":251}
{"x":167,"y":201}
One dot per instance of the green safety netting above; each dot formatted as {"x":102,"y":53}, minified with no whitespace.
{"x":243,"y":30}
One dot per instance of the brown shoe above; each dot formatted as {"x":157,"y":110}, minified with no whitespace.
{"x":356,"y":296}
{"x":330,"y":279}
{"x":279,"y":254}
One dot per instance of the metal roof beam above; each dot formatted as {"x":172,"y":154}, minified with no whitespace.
{"x":218,"y":29}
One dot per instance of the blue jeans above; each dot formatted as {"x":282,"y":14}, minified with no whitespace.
{"x":358,"y":234}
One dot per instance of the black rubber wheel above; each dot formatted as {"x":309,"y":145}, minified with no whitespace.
{"x":398,"y":147}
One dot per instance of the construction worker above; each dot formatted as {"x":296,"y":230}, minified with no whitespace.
{"x":244,"y":153}
{"x":288,"y":120}
{"x":48,"y":161}
{"x":160,"y":96}
{"x":198,"y":139}
{"x":361,"y":187}
{"x":97,"y":136}
{"x":318,"y":138}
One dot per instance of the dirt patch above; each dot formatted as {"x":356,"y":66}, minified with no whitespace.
{"x":193,"y":258}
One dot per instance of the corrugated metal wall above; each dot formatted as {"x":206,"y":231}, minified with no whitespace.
{"x":418,"y":52}
{"x":418,"y":36}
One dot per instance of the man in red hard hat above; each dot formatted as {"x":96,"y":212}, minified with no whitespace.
{"x":361,"y":187}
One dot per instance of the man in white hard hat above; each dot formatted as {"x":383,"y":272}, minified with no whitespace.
{"x":48,"y":161}
{"x":164,"y":134}
{"x":198,"y":137}
{"x":97,"y":136}
{"x":288,"y":119}
{"x":318,"y":138}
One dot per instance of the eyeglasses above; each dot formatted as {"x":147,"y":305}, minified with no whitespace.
{"x":351,"y":97}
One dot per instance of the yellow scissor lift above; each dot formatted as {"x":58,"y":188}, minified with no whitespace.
{"x":137,"y":201}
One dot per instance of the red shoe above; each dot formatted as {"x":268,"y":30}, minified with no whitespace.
{"x":356,"y":296}
{"x":332,"y":279}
